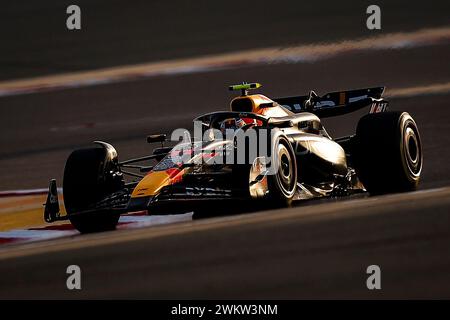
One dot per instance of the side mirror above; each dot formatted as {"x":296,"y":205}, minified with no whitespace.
{"x":156,"y":138}
{"x":311,"y":102}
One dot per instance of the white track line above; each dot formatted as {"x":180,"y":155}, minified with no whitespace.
{"x":439,"y":88}
{"x":36,"y":234}
{"x":25,"y":192}
{"x":305,"y":53}
{"x":58,"y":231}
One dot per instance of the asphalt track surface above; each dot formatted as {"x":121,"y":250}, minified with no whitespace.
{"x":314,"y":250}
{"x":320,"y":252}
{"x":35,"y":40}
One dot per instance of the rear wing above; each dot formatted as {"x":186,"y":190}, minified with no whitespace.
{"x":336,"y":103}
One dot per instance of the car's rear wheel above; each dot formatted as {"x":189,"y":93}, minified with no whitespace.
{"x":90,"y":175}
{"x":282,"y":184}
{"x":388,"y":152}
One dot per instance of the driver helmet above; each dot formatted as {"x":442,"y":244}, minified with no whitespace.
{"x":231,"y":124}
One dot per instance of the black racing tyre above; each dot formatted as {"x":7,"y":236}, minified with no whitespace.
{"x":283,"y":184}
{"x":388,"y":152}
{"x":90,"y":176}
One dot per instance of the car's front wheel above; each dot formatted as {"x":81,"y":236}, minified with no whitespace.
{"x":90,"y":175}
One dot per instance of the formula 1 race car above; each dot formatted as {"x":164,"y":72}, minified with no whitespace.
{"x":264,"y":152}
